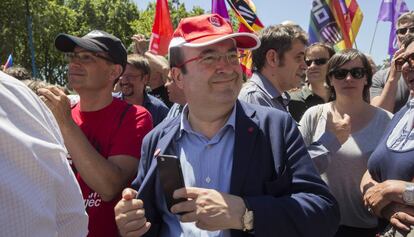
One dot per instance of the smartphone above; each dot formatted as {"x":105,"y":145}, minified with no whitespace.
{"x":171,"y":177}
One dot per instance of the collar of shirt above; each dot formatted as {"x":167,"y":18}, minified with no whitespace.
{"x":147,"y":100}
{"x":402,"y":136}
{"x":264,"y":84}
{"x":186,"y":127}
{"x":306,"y":92}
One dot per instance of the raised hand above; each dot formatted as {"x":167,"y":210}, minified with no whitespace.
{"x":58,"y":103}
{"x":130,"y":215}
{"x":341,"y":127}
{"x":140,"y":44}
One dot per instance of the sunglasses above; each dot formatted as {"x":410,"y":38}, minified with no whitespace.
{"x":318,"y":61}
{"x":408,"y":59}
{"x":403,"y":31}
{"x":356,"y":73}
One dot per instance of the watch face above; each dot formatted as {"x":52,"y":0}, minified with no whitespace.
{"x":408,"y":194}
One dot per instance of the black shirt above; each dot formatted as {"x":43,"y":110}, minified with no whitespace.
{"x":301,"y":100}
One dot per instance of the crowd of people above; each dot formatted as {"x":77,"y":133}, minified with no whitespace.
{"x":315,"y":143}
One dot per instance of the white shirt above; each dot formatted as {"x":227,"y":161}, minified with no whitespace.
{"x":38,"y":191}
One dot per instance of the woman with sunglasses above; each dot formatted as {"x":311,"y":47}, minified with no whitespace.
{"x":389,"y":186}
{"x":315,"y":91}
{"x":349,"y":78}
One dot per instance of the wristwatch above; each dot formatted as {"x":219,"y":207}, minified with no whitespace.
{"x":247,"y":218}
{"x":408,"y":194}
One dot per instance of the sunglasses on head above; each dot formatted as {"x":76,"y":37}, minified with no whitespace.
{"x":403,"y":31}
{"x":356,"y":73}
{"x":317,"y":61}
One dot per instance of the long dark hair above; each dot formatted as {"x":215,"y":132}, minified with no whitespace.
{"x":341,"y":58}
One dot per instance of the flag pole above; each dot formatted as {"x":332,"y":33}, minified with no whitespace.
{"x":373,"y":36}
{"x":29,"y":32}
{"x":354,"y":36}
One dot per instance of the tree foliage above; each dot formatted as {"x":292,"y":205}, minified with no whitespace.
{"x":121,"y":18}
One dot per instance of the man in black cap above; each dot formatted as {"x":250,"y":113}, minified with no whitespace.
{"x":102,"y":134}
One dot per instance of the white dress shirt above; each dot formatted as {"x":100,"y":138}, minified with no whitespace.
{"x":39,"y":195}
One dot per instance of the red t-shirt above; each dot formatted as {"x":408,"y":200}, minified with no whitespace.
{"x":110,"y":136}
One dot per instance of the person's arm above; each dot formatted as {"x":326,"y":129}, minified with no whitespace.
{"x":335,"y":134}
{"x":367,"y":182}
{"x":130,"y":216}
{"x":321,"y":150}
{"x":383,"y":96}
{"x":307,"y":207}
{"x":141,"y":44}
{"x":157,"y":63}
{"x":105,"y":176}
{"x":381,"y":194}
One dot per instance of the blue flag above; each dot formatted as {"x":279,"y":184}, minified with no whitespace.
{"x":9,"y":62}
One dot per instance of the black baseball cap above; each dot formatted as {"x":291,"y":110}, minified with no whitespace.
{"x":95,"y":41}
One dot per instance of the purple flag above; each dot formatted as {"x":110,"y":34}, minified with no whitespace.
{"x":390,"y":10}
{"x":219,"y":7}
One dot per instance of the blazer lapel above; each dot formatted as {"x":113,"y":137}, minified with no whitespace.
{"x":245,"y":136}
{"x":162,"y":147}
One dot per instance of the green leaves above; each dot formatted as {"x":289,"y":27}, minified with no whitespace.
{"x":77,"y":17}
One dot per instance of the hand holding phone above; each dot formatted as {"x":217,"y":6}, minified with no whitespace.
{"x":171,"y":177}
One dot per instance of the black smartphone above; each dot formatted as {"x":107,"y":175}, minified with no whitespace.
{"x":171,"y":177}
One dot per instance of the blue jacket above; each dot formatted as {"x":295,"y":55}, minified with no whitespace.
{"x":272,"y":170}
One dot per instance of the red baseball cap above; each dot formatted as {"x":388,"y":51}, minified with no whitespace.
{"x":207,"y":29}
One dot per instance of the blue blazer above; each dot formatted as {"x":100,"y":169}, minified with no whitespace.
{"x":272,"y":170}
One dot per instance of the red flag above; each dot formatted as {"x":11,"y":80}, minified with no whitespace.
{"x":162,"y":29}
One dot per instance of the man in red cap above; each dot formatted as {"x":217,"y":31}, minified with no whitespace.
{"x":245,"y":167}
{"x":102,"y":134}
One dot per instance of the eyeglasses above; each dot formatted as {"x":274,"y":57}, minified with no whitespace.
{"x":210,"y":59}
{"x":356,"y":73}
{"x":131,"y":76}
{"x":317,"y":61}
{"x":85,"y":57}
{"x":408,"y":59}
{"x":403,"y":31}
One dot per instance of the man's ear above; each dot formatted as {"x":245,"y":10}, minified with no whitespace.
{"x":272,"y":58}
{"x":177,"y":76}
{"x":116,"y":72}
{"x":145,"y":79}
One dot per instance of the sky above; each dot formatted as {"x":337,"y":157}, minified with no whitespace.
{"x":276,"y":11}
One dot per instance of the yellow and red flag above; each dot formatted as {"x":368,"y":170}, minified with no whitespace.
{"x":245,"y":12}
{"x":162,"y":29}
{"x":349,"y":18}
